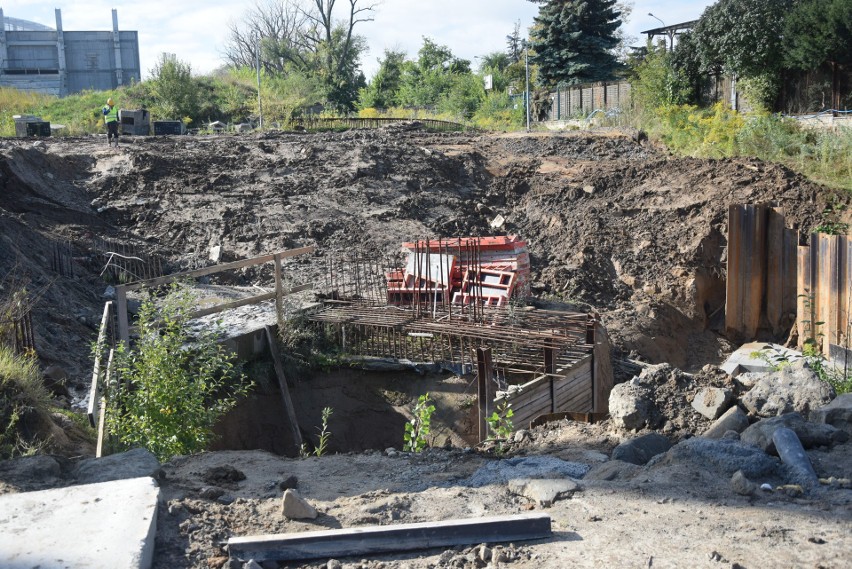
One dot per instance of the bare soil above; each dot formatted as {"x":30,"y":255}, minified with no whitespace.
{"x":613,"y":223}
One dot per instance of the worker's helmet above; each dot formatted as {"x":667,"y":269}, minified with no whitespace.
{"x":110,"y":102}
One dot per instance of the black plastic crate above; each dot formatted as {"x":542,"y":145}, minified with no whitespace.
{"x":168,"y":127}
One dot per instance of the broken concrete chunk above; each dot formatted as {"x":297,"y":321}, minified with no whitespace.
{"x":793,"y":455}
{"x":712,"y":402}
{"x":545,"y":491}
{"x":629,"y":406}
{"x":723,"y":456}
{"x":742,"y":485}
{"x":612,"y":470}
{"x":733,"y":420}
{"x":294,"y":507}
{"x":810,"y":434}
{"x":795,"y":388}
{"x":641,"y":449}
{"x":134,"y":463}
{"x":838,"y":413}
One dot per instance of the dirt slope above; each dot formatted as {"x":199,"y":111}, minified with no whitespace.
{"x":611,"y":222}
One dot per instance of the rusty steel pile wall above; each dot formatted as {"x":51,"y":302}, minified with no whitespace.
{"x":773,"y":281}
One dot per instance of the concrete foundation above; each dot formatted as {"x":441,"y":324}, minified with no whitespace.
{"x":106,"y":525}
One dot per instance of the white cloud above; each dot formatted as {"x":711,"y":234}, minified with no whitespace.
{"x":196,"y":31}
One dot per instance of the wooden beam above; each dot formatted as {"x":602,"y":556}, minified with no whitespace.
{"x":99,"y":451}
{"x":485,"y":393}
{"x":223,"y":267}
{"x":382,"y":539}
{"x":95,"y":389}
{"x":121,"y":311}
{"x":285,"y":391}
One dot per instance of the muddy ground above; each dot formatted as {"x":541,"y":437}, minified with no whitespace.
{"x":613,"y":223}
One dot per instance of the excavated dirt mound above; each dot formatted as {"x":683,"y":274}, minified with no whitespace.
{"x":611,"y":222}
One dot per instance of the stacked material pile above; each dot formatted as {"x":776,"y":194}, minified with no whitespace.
{"x":461,"y":271}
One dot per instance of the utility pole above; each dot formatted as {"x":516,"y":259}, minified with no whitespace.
{"x":259,"y":103}
{"x":527,"y":88}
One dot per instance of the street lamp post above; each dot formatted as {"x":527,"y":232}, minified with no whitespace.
{"x":527,"y":83}
{"x":257,"y":64}
{"x":670,"y":34}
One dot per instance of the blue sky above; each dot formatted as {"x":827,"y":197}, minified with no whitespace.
{"x":196,"y":31}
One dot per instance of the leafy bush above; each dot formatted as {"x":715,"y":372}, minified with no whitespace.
{"x":24,"y":404}
{"x":174,"y":386}
{"x":418,"y":428}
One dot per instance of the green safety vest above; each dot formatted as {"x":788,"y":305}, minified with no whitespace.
{"x":111,"y":114}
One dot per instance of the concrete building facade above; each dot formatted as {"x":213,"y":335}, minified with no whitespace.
{"x":36,"y":58}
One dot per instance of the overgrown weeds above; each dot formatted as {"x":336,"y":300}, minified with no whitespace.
{"x":24,"y":404}
{"x":824,"y":156}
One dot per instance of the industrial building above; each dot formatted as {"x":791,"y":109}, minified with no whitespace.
{"x":34,"y":57}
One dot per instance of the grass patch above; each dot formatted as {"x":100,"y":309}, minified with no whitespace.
{"x":24,"y":405}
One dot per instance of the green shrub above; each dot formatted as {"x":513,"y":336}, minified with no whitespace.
{"x":417,"y":430}
{"x":174,"y":387}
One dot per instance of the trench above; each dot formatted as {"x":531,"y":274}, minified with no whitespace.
{"x":369,"y":411}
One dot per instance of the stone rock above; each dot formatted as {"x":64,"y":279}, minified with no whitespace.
{"x":543,"y":491}
{"x":289,"y":483}
{"x":295,"y":507}
{"x":742,"y":485}
{"x":612,"y":470}
{"x":484,"y":553}
{"x":29,"y":469}
{"x":838,"y":413}
{"x":723,"y":456}
{"x":796,"y":388}
{"x":641,"y":449}
{"x":712,"y":402}
{"x":733,"y":420}
{"x":521,"y":436}
{"x":333,"y":564}
{"x":810,"y":434}
{"x":630,"y":406}
{"x":252,"y":564}
{"x":131,"y":464}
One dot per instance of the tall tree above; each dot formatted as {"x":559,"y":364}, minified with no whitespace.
{"x":382,"y":92}
{"x":742,"y":36}
{"x":817,"y":32}
{"x":515,"y":43}
{"x":307,"y":37}
{"x":175,"y":92}
{"x":573,"y":41}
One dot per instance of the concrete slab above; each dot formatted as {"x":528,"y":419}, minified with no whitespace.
{"x":744,"y":360}
{"x":107,"y":525}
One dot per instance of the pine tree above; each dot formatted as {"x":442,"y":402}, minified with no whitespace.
{"x":573,"y":41}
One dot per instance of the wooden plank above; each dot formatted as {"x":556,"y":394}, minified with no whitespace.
{"x":121,"y":311}
{"x":775,"y":269}
{"x":95,"y":389}
{"x":824,"y":290}
{"x":223,"y":267}
{"x":733,"y":304}
{"x":524,"y":397}
{"x":279,"y":292}
{"x":285,"y":391}
{"x":550,"y":368}
{"x":246,"y":301}
{"x":99,"y":450}
{"x":383,"y":539}
{"x":484,"y":367}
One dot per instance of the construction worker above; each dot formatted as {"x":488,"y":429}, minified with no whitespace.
{"x":111,"y":121}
